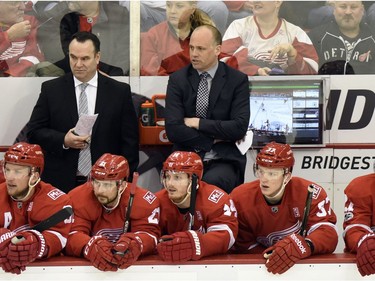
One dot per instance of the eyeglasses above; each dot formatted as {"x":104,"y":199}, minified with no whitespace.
{"x":271,"y":175}
{"x":105,"y":184}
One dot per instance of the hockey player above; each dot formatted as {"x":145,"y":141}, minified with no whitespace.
{"x":100,"y":205}
{"x":2,"y":177}
{"x":25,"y":201}
{"x":211,"y":227}
{"x":270,"y":212}
{"x":359,"y":222}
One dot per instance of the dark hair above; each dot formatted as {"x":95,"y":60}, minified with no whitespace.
{"x":336,"y":67}
{"x":215,"y":33}
{"x":83,"y":36}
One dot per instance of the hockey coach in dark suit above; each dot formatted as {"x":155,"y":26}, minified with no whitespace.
{"x":208,"y":110}
{"x":59,"y":106}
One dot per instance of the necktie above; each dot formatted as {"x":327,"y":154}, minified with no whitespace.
{"x":202,"y":96}
{"x":84,"y":160}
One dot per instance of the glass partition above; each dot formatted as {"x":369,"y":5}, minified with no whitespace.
{"x":260,"y":38}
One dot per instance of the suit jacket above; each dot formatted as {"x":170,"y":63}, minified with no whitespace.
{"x":227,"y":116}
{"x":115,"y":130}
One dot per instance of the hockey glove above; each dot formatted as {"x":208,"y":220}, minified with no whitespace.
{"x":98,"y":252}
{"x":366,"y":255}
{"x":127,"y":250}
{"x":5,"y":237}
{"x":26,"y":247}
{"x":285,"y":253}
{"x":180,"y":246}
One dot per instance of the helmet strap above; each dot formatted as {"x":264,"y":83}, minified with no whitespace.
{"x":30,"y":191}
{"x":119,"y":193}
{"x":187,"y":196}
{"x":277,"y":197}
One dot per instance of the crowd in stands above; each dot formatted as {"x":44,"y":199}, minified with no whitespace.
{"x":259,"y":37}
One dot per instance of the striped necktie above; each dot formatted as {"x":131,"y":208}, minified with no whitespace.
{"x":84,"y":160}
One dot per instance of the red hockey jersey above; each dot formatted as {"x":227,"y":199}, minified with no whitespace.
{"x":91,"y":218}
{"x":250,"y":49}
{"x":162,"y":52}
{"x":359,"y":210}
{"x":214,"y":216}
{"x":262,"y":225}
{"x":47,"y":200}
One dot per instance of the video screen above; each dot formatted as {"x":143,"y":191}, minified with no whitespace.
{"x":287,"y":111}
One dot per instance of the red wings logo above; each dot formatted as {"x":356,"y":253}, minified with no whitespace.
{"x":215,"y":196}
{"x":149,"y":197}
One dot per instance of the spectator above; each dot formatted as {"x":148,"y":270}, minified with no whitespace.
{"x":52,"y":125}
{"x":18,"y":43}
{"x":265,"y":44}
{"x":274,"y":226}
{"x":346,"y":38}
{"x":210,"y":118}
{"x":106,"y":19}
{"x":165,"y":47}
{"x":212,"y":227}
{"x":154,"y":12}
{"x":238,"y":10}
{"x":25,"y":201}
{"x":100,"y":231}
{"x":359,"y":222}
{"x":2,"y":178}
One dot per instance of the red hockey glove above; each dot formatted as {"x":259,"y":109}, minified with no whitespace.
{"x":181,"y":246}
{"x":5,"y":238}
{"x":26,"y":247}
{"x":366,"y":255}
{"x":127,"y":250}
{"x":285,"y":253}
{"x":98,"y":252}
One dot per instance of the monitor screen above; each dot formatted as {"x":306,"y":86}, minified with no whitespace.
{"x":287,"y":111}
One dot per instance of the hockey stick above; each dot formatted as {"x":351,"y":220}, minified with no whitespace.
{"x":133,"y":185}
{"x":193,"y":195}
{"x":306,"y":212}
{"x":49,"y":222}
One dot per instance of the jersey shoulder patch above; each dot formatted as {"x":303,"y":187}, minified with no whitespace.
{"x":316,"y":192}
{"x":55,"y":193}
{"x":149,"y":197}
{"x":215,"y":195}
